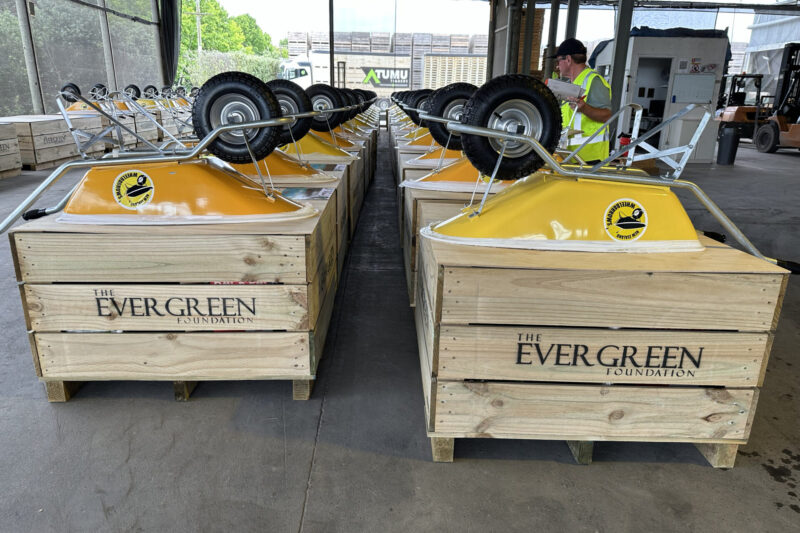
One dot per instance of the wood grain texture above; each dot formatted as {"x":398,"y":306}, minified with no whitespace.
{"x":585,"y":298}
{"x":507,"y":353}
{"x":173,"y":356}
{"x":183,"y":389}
{"x":227,"y":307}
{"x":592,"y":413}
{"x":47,"y":257}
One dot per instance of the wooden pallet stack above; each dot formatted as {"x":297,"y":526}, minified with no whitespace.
{"x":45,"y":140}
{"x":10,"y":159}
{"x":586,"y":347}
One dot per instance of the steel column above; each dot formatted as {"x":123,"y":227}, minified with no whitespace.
{"x":572,"y":19}
{"x":30,"y":57}
{"x":622,"y":35}
{"x":108,"y":57}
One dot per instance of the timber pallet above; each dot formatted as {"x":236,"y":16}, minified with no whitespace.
{"x":10,"y":159}
{"x":182,"y":303}
{"x":45,"y":140}
{"x":585,"y":347}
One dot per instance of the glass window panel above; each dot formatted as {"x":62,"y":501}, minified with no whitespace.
{"x":134,"y":45}
{"x":69,"y":47}
{"x":15,"y":96}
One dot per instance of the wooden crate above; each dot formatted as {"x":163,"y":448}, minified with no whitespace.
{"x":336,"y":193}
{"x":587,"y":347}
{"x":177,"y":303}
{"x":45,"y":140}
{"x":10,"y":160}
{"x":420,"y":208}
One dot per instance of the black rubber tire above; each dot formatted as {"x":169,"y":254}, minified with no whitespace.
{"x":767,"y":138}
{"x":351,"y":100}
{"x":292,"y":100}
{"x":133,"y":91}
{"x":150,"y":92}
{"x":325,"y":97}
{"x":98,"y":91}
{"x":519,"y":160}
{"x":415,"y":102}
{"x":259,"y":101}
{"x":166,"y":91}
{"x":449,"y":100}
{"x":180,"y":91}
{"x":193,"y":92}
{"x":69,"y":89}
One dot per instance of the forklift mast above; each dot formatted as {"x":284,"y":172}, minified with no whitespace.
{"x":787,"y":97}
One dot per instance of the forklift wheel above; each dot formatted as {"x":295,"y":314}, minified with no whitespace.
{"x":292,"y":100}
{"x":448,"y":103}
{"x":98,"y":91}
{"x":69,"y":90}
{"x":235,"y":97}
{"x":133,"y":91}
{"x":766,"y":139}
{"x":511,"y":103}
{"x":324,"y":97}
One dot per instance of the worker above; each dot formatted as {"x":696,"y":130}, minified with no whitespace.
{"x":591,"y":109}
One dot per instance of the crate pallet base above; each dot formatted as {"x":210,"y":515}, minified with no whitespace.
{"x":47,"y":165}
{"x":10,"y":173}
{"x":63,"y":391}
{"x":717,"y":455}
{"x":588,"y":347}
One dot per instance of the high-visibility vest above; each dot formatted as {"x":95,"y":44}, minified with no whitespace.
{"x":598,"y":148}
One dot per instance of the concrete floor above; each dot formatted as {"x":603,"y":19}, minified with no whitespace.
{"x":242,"y":456}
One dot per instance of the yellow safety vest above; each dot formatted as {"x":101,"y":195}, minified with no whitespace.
{"x":598,"y":148}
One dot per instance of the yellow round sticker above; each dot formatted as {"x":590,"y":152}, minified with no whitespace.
{"x":625,"y":220}
{"x":133,"y":189}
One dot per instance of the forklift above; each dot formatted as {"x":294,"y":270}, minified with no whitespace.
{"x":782,"y":129}
{"x":746,"y":116}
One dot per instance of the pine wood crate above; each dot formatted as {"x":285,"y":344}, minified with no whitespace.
{"x":587,"y":347}
{"x":335,"y":192}
{"x":406,"y":152}
{"x":354,"y":177}
{"x":45,"y":140}
{"x":418,"y":209}
{"x":10,"y":159}
{"x":177,"y":303}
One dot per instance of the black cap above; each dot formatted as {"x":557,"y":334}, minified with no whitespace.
{"x":570,"y":46}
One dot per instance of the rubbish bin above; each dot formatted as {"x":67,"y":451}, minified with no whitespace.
{"x":728,"y":142}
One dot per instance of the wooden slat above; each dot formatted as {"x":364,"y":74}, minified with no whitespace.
{"x":564,"y":355}
{"x":660,"y":300}
{"x":167,"y":307}
{"x":715,"y":258}
{"x":173,"y":356}
{"x":593,"y":413}
{"x":46,"y":257}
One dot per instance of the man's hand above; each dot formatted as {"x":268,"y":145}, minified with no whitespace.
{"x":598,"y":114}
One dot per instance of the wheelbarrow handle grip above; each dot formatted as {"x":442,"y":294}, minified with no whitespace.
{"x":791,"y":266}
{"x":34,"y":214}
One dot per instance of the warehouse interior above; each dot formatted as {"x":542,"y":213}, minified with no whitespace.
{"x":352,"y":444}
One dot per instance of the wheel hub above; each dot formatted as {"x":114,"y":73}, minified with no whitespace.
{"x":515,"y":116}
{"x":288,"y":107}
{"x":234,"y":109}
